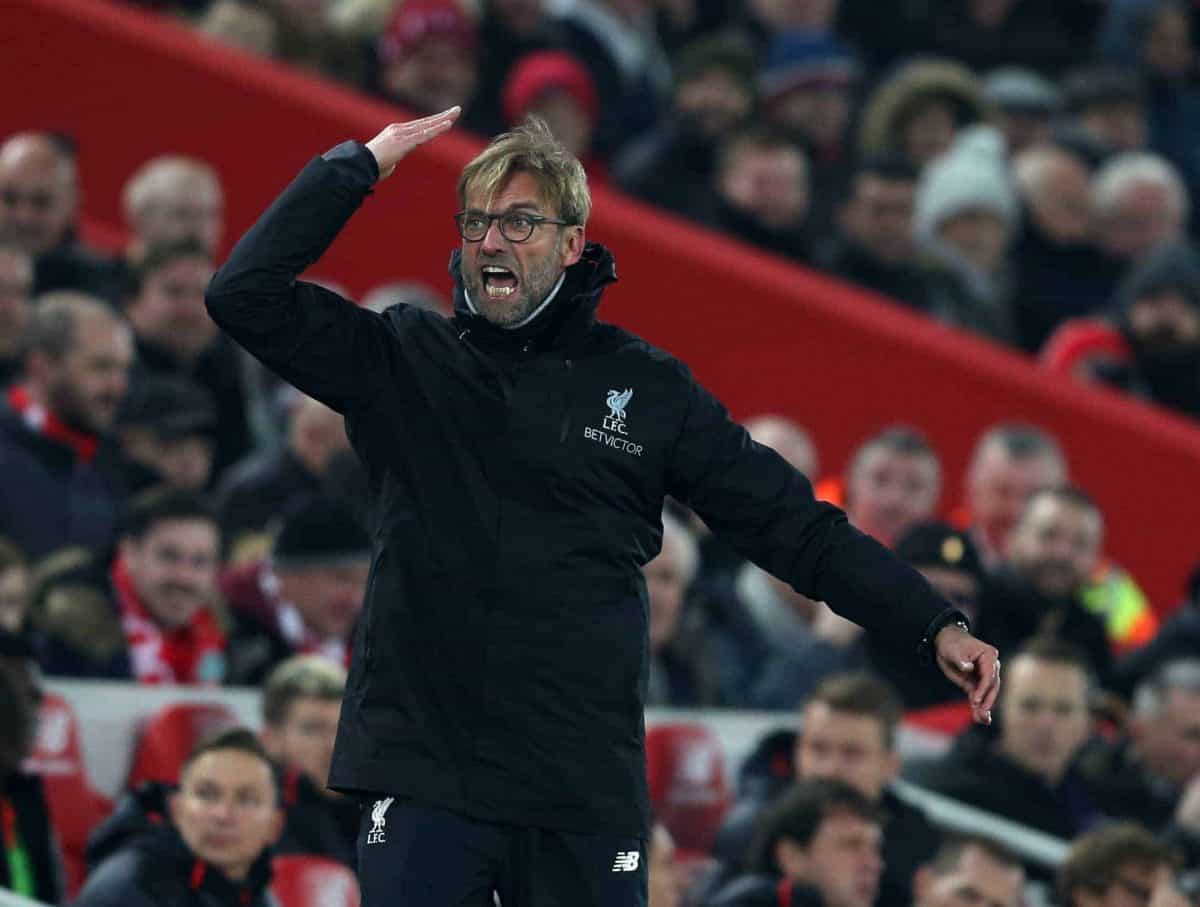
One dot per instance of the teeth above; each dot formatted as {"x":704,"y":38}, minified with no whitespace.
{"x":495,"y":270}
{"x":499,"y":292}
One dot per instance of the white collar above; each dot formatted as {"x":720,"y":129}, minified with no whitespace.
{"x":532,"y":315}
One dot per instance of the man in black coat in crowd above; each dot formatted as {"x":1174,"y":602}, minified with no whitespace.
{"x":519,"y":455}
{"x":205,"y":845}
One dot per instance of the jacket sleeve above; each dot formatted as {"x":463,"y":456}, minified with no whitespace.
{"x":325,"y":345}
{"x":116,"y":883}
{"x":764,"y":509}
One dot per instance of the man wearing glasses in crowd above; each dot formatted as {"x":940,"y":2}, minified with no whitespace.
{"x":518,"y":456}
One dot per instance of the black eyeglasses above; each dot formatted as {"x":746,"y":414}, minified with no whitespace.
{"x":515,"y":226}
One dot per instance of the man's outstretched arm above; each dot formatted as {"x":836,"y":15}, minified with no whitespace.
{"x":314,"y":339}
{"x":763,"y":508}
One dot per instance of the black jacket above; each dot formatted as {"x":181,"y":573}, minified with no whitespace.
{"x":25,"y":795}
{"x":500,"y":664}
{"x":261,"y":489}
{"x":317,"y":824}
{"x":138,"y":859}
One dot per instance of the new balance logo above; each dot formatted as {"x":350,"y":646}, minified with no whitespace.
{"x":626,"y":861}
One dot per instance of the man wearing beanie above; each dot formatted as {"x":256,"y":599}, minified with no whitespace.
{"x":304,"y":598}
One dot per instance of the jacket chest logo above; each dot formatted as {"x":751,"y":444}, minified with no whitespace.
{"x":614,"y":432}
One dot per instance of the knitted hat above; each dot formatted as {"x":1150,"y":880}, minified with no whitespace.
{"x":804,"y":59}
{"x":416,"y":21}
{"x":538,"y":74}
{"x":936,"y":544}
{"x":319,"y":532}
{"x":973,"y":174}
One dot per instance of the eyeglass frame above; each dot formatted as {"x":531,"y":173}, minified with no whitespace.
{"x":535,"y":219}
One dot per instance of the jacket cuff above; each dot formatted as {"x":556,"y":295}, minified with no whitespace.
{"x":354,"y":158}
{"x":950,"y":616}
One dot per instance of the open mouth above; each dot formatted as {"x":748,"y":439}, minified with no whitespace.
{"x":498,"y":282}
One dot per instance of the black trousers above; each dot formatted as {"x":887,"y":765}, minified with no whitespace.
{"x":414,"y":855}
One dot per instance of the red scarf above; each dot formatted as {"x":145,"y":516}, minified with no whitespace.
{"x":191,"y":654}
{"x":45,"y":423}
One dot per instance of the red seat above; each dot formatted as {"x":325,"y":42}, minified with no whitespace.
{"x":75,"y":808}
{"x":688,"y":786}
{"x":951,"y":718}
{"x":170,"y":735}
{"x":300,"y":880}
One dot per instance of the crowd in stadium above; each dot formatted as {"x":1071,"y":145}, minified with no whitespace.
{"x":171,"y":513}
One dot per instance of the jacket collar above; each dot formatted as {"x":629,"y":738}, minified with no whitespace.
{"x":564,"y":322}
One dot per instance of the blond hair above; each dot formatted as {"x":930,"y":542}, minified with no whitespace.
{"x":300,"y":677}
{"x":531,"y":148}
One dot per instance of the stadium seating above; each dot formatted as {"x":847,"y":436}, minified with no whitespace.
{"x":307,"y":881}
{"x":171,"y":733}
{"x":689,"y":790}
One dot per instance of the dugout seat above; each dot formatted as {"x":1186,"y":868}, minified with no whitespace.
{"x":75,"y":807}
{"x":301,"y":880}
{"x":170,"y":734}
{"x":689,"y":787}
{"x":949,"y":719}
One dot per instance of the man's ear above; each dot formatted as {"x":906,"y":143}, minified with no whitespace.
{"x":573,"y":243}
{"x":174,"y":805}
{"x":277,"y":824}
{"x":270,"y":740}
{"x":791,"y":859}
{"x":892,"y":767}
{"x":922,"y":883}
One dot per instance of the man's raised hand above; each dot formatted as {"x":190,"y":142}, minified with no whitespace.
{"x":399,"y":139}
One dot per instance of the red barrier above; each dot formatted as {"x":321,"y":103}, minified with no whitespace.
{"x":762,"y":334}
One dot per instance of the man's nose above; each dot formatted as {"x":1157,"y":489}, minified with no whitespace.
{"x":493,"y":240}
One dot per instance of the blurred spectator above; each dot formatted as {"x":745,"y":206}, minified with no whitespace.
{"x":1037,"y":592}
{"x":148,"y":614}
{"x":32,"y":868}
{"x":1059,"y":272}
{"x":1140,"y":203}
{"x":426,"y":57}
{"x":1010,"y":462}
{"x":966,"y":219}
{"x":806,"y":88}
{"x":1158,"y":312}
{"x":307,"y":39}
{"x":761,"y":192}
{"x":1118,"y":865}
{"x":664,"y":887}
{"x":77,"y":355}
{"x":215,"y":848}
{"x":1144,"y":775}
{"x":917,"y":111}
{"x":257,"y":490}
{"x":173,"y":199}
{"x":39,"y":209}
{"x":556,"y":87}
{"x":788,"y":440}
{"x":947,"y":558}
{"x":508,"y":31}
{"x":175,"y":336}
{"x":1021,"y":768}
{"x":819,"y":846}
{"x":166,"y":428}
{"x":14,"y":588}
{"x":305,"y":598}
{"x":968,"y":871}
{"x":239,"y":24}
{"x":408,"y":292}
{"x":760,"y":20}
{"x":714,"y":94}
{"x":301,"y":700}
{"x":675,"y":673}
{"x":1025,"y":104}
{"x":1043,"y":36}
{"x":894,"y":481}
{"x":16,"y":285}
{"x":617,"y":41}
{"x":848,"y":733}
{"x":1109,"y":103}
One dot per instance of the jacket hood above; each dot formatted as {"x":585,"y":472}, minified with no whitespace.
{"x":138,"y":814}
{"x":898,"y":96}
{"x":566,"y":320}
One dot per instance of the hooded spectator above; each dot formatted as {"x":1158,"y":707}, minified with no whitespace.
{"x":426,"y":56}
{"x":1158,"y":312}
{"x":966,"y":218}
{"x":556,"y":87}
{"x":714,"y":94}
{"x":1025,"y":105}
{"x":919,"y":109}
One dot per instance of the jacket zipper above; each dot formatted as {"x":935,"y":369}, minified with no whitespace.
{"x":566,"y":419}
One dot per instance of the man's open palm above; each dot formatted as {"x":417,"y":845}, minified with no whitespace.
{"x":399,"y":139}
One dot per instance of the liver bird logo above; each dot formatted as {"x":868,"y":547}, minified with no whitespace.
{"x":617,"y":401}
{"x":378,"y":819}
